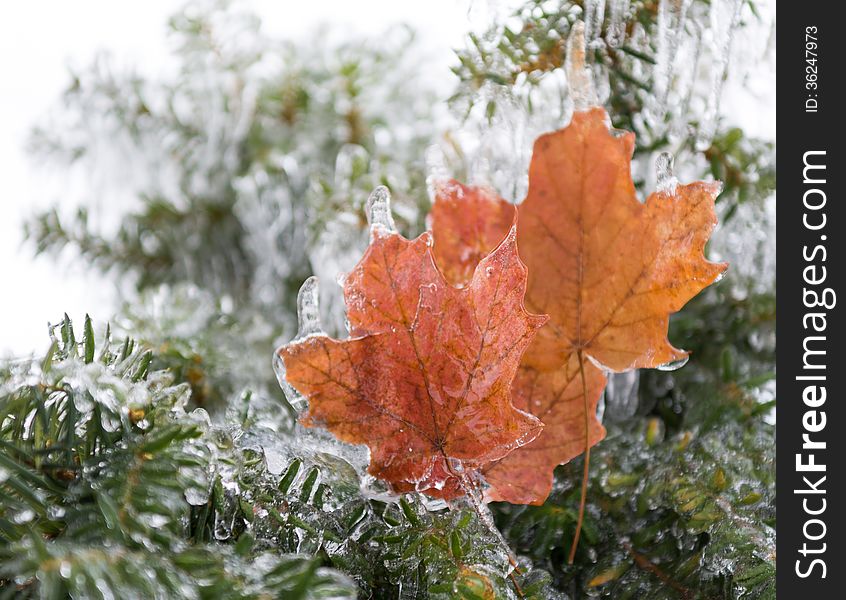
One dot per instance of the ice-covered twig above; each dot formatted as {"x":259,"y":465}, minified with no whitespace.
{"x":578,"y":75}
{"x":378,"y":210}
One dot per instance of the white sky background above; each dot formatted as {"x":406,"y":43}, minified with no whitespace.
{"x":39,"y":39}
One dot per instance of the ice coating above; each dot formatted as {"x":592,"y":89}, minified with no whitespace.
{"x":579,"y":78}
{"x":378,"y":209}
{"x":618,"y":12}
{"x":308,"y":316}
{"x":437,"y":171}
{"x":687,"y":84}
{"x":308,"y":308}
{"x":333,"y":253}
{"x":665,"y":180}
{"x":747,"y":243}
{"x":674,"y":365}
{"x":620,"y":399}
{"x":671,"y":17}
{"x":668,"y":61}
{"x":724,"y":19}
{"x":594,"y":17}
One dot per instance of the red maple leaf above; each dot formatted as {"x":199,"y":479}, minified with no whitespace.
{"x":425,"y":379}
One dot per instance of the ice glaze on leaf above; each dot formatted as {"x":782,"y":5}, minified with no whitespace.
{"x":483,"y":220}
{"x":607,"y":269}
{"x":556,"y":397}
{"x":425,"y":380}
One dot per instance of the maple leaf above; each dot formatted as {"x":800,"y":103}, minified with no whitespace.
{"x":606,"y":268}
{"x":425,"y":379}
{"x":469,"y":222}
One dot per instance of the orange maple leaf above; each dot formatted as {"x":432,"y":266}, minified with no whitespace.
{"x":425,"y":380}
{"x":606,"y":268}
{"x":468,"y":222}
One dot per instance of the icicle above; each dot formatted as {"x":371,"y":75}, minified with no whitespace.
{"x":436,"y":170}
{"x":297,"y":401}
{"x":722,"y":27}
{"x":687,"y":88}
{"x":618,"y":13}
{"x":665,"y":180}
{"x":378,"y":210}
{"x":671,"y":16}
{"x":674,"y":365}
{"x":621,"y":396}
{"x":594,"y":16}
{"x":578,"y":75}
{"x":308,"y":309}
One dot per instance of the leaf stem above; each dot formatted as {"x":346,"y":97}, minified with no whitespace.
{"x":586,"y":472}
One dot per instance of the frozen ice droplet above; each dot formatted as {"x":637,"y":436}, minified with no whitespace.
{"x":674,"y":364}
{"x":379,"y":210}
{"x":665,"y":180}
{"x":308,"y":308}
{"x":297,"y":401}
{"x":670,"y":27}
{"x":578,"y":75}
